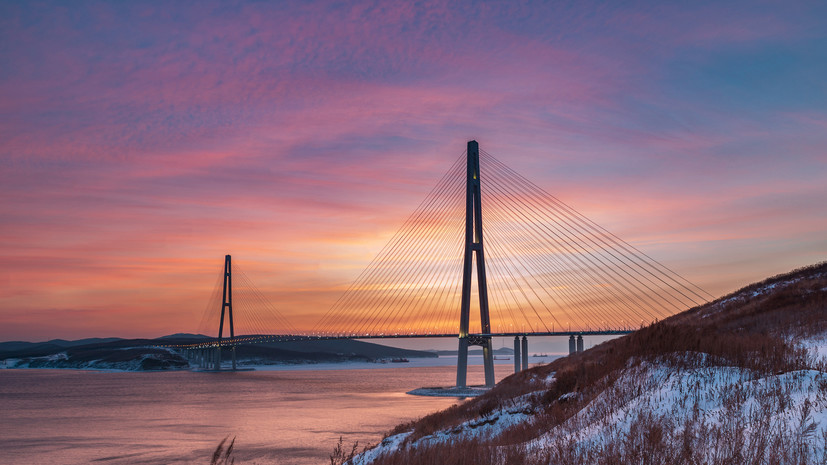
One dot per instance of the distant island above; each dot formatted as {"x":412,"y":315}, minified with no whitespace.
{"x":149,"y":355}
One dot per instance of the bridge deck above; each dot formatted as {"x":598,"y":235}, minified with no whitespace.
{"x":263,"y":338}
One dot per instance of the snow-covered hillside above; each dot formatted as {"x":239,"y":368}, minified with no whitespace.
{"x":707,"y":413}
{"x":125,"y":359}
{"x":740,"y":380}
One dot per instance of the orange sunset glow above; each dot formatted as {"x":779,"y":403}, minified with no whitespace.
{"x":139,"y":146}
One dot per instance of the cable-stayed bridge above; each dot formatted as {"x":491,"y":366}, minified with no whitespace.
{"x":487,"y":253}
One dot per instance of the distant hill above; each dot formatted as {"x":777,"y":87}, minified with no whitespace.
{"x":54,"y":343}
{"x":83,"y":342}
{"x":12,"y":346}
{"x":160,"y":354}
{"x":351,"y":347}
{"x":184,"y":336}
{"x":738,"y":380}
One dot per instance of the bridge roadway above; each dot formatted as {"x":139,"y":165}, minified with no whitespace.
{"x":263,"y":338}
{"x":207,"y":354}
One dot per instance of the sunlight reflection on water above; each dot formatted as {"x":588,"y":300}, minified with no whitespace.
{"x":290,"y":416}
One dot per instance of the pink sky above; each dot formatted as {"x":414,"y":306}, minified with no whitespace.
{"x":141,"y":143}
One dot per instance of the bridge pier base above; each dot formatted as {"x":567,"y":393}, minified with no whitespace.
{"x":462,"y":362}
{"x":525,"y":352}
{"x":209,"y":358}
{"x":517,"y":363}
{"x":488,"y":362}
{"x":580,"y":343}
{"x":487,"y":359}
{"x":572,"y":344}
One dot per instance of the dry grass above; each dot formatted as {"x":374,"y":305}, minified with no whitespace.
{"x":223,"y":456}
{"x":751,"y":330}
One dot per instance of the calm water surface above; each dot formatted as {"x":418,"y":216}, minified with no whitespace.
{"x":277,"y":417}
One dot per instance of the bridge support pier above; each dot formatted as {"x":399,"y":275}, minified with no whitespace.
{"x":488,"y":362}
{"x":572,"y":344}
{"x":580,"y":343}
{"x":462,"y":362}
{"x":474,"y":249}
{"x":525,"y":352}
{"x":487,"y":358}
{"x":517,"y":363}
{"x":226,"y":307}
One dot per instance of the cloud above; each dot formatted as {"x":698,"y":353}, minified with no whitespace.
{"x":141,"y":142}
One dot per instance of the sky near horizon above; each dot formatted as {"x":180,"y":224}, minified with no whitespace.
{"x":140,"y":142}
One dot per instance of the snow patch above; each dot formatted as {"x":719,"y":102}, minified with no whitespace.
{"x":717,"y":400}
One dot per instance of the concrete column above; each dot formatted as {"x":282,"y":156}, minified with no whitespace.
{"x":516,"y":354}
{"x":233,"y":357}
{"x":462,"y":362}
{"x":580,"y":343}
{"x":572,"y":344}
{"x":488,"y":363}
{"x":525,"y":353}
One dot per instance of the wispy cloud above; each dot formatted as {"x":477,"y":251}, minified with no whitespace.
{"x":141,"y":142}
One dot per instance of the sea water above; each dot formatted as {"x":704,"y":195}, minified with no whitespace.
{"x":282,"y":416}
